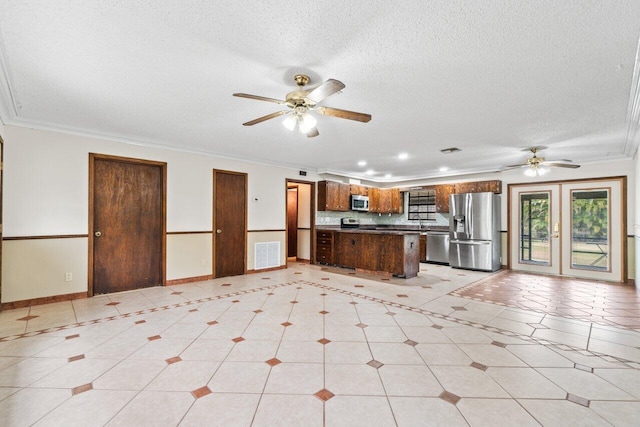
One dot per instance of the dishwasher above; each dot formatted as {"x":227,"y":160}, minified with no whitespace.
{"x":438,"y":247}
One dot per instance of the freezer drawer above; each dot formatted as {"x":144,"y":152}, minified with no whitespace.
{"x":472,"y":255}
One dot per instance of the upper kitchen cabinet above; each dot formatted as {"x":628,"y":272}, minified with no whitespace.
{"x":494,"y":186}
{"x":333,"y":196}
{"x":359,"y":190}
{"x":385,"y":200}
{"x":443,"y":191}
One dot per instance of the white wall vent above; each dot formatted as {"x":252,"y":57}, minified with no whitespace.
{"x":267,"y":255}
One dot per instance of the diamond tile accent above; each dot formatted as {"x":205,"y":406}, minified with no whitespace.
{"x":583,"y":367}
{"x":390,"y":313}
{"x":270,"y":293}
{"x":437,"y":327}
{"x":75,"y":358}
{"x":226,"y":284}
{"x":375,"y":364}
{"x":213,"y":322}
{"x":70,"y":337}
{"x":324,"y":278}
{"x":479,"y":366}
{"x":266,"y":278}
{"x":324,"y":312}
{"x":113,"y":303}
{"x":193,"y":310}
{"x":257,"y":311}
{"x":323,"y":295}
{"x":293,"y":302}
{"x":577,"y":399}
{"x":402,"y":296}
{"x":235,"y":301}
{"x":27,"y":318}
{"x":298,"y":272}
{"x":285,"y":324}
{"x":201,"y":392}
{"x":459,"y":308}
{"x":498,"y":344}
{"x":82,"y":388}
{"x":153,"y":338}
{"x":411,"y":343}
{"x":176,"y":293}
{"x":173,"y":360}
{"x":324,"y":395}
{"x":138,"y":322}
{"x":449,"y":397}
{"x":386,"y":279}
{"x":324,"y":341}
{"x":273,"y":362}
{"x":361,"y":325}
{"x":353,"y":303}
{"x":238,"y":339}
{"x":359,"y":286}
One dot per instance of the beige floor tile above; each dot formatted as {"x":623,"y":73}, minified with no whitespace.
{"x":344,"y":333}
{"x":7,"y":361}
{"x":395,"y":353}
{"x":154,"y":408}
{"x":347,"y":352}
{"x":350,"y":411}
{"x":377,"y":319}
{"x":77,"y":373}
{"x":466,"y":335}
{"x":584,"y":384}
{"x":362,"y":380}
{"x":161,"y":349}
{"x":224,"y":331}
{"x":29,"y":370}
{"x":300,"y":352}
{"x":614,"y":349}
{"x":410,"y":319}
{"x":386,"y":334}
{"x":25,"y":347}
{"x":8,"y":391}
{"x":295,"y":378}
{"x":490,"y":355}
{"x":426,"y":335}
{"x":421,"y":411}
{"x":403,"y":380}
{"x":91,"y":408}
{"x":222,"y":410}
{"x":302,"y":331}
{"x":253,"y":351}
{"x":186,"y":375}
{"x":539,"y":356}
{"x":240,"y":377}
{"x":492,"y":412}
{"x":443,"y":354}
{"x":557,"y":413}
{"x":511,"y":325}
{"x":625,"y":379}
{"x":465,"y":381}
{"x":620,"y":414}
{"x":212,"y":350}
{"x":616,"y":335}
{"x":184,"y":330}
{"x":19,"y":409}
{"x":117,"y":347}
{"x":130,"y":375}
{"x":288,"y":410}
{"x":561,"y":337}
{"x":526,"y":383}
{"x":72,"y":347}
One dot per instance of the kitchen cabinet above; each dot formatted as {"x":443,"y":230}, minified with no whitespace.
{"x":333,"y":196}
{"x":359,"y":190}
{"x":385,"y":200}
{"x":325,"y":247}
{"x":443,"y":191}
{"x":349,"y":250}
{"x":494,"y":186}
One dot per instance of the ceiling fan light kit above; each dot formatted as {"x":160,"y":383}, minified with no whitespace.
{"x":538,"y":166}
{"x":300,"y":102}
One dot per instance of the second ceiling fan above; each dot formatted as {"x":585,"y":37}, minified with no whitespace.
{"x":300,"y":102}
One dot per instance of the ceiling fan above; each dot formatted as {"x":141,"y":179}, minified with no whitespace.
{"x":537,"y":166}
{"x":300,"y":102}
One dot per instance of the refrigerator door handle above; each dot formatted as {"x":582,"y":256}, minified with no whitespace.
{"x":470,"y":242}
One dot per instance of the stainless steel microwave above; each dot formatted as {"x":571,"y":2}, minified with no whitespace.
{"x":359,"y":203}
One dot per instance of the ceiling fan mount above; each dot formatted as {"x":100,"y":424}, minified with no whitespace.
{"x":301,"y":101}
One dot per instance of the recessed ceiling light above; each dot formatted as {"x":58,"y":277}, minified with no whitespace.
{"x":369,"y":172}
{"x":362,"y":163}
{"x":403,"y":156}
{"x":444,"y":169}
{"x":388,"y":175}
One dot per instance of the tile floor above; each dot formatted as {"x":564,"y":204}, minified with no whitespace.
{"x":308,"y":346}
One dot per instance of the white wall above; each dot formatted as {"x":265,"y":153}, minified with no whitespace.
{"x":304,"y":221}
{"x":46,"y":194}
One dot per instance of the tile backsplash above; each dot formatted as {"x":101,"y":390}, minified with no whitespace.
{"x":333,"y":218}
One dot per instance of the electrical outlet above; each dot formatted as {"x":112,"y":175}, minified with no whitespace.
{"x":68,"y":277}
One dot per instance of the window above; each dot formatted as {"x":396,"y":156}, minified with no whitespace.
{"x":422,"y":205}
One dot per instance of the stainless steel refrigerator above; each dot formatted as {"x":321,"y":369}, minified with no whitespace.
{"x":474,"y":231}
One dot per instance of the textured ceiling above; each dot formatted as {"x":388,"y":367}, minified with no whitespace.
{"x":488,"y":77}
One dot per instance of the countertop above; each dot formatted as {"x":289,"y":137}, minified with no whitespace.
{"x":382,"y":230}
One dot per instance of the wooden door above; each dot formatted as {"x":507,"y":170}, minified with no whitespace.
{"x":1,"y":168}
{"x":127,"y":224}
{"x":292,"y":222}
{"x":229,"y":223}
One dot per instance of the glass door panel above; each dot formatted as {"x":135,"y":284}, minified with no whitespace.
{"x":535,"y":228}
{"x":590,"y":229}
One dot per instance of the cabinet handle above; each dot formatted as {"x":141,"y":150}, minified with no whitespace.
{"x":218,"y":231}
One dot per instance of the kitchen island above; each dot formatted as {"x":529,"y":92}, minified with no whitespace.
{"x":394,"y":252}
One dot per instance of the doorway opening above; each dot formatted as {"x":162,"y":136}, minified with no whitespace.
{"x":300,"y":209}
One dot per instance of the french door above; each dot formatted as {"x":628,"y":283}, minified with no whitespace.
{"x":571,"y":228}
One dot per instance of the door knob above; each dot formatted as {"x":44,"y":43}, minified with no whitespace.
{"x":218,"y":231}
{"x":556,"y":230}
{"x":97,"y":234}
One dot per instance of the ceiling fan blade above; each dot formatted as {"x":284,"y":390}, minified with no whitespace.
{"x":512,"y":167}
{"x":259,"y":98}
{"x":561,"y":165}
{"x":344,"y":114}
{"x":313,"y":133}
{"x":264,"y":118}
{"x":325,"y":90}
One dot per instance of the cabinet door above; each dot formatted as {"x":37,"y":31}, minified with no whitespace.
{"x":442,"y":197}
{"x":397,"y":201}
{"x":359,"y":190}
{"x":374,"y":200}
{"x":423,"y":248}
{"x":333,"y":196}
{"x":348,"y":249}
{"x":344,"y":201}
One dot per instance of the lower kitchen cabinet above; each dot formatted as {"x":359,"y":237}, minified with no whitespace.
{"x":325,"y":247}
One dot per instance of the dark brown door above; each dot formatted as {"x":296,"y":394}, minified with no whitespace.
{"x":292,"y":222}
{"x":229,"y":223}
{"x":127,"y":226}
